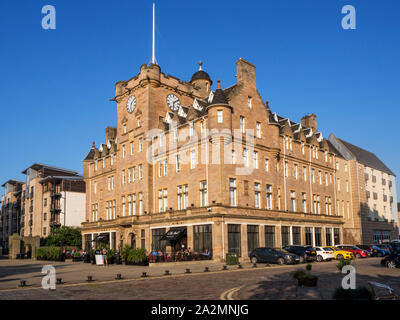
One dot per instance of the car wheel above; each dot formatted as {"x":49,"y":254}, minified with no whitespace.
{"x":281,"y":261}
{"x":253,"y":260}
{"x":339,"y":257}
{"x":358,"y":255}
{"x":319,"y":258}
{"x":391,"y":264}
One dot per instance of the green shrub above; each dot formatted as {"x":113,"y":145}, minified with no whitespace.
{"x":352,"y":294}
{"x":231,"y":259}
{"x":299,"y":274}
{"x":342,"y":263}
{"x":127,"y":253}
{"x":77,"y":254}
{"x":110,"y":253}
{"x":54,"y":253}
{"x":139,"y":255}
{"x":308,"y":267}
{"x":41,"y":253}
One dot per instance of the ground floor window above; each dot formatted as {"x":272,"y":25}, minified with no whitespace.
{"x":252,"y":238}
{"x":336,"y":236}
{"x":156,"y":243}
{"x":285,"y":231}
{"x":270,"y":236}
{"x":143,"y":238}
{"x":381,"y":236}
{"x":296,"y":235}
{"x":234,"y":239}
{"x":88,"y":242}
{"x":202,"y":238}
{"x":308,"y":235}
{"x":317,"y":234}
{"x":328,"y":236}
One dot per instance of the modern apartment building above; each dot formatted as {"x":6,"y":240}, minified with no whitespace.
{"x":51,"y":197}
{"x":374,"y":192}
{"x":213,"y":170}
{"x":10,"y":210}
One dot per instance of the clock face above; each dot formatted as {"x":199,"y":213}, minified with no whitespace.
{"x":173,"y":102}
{"x":131,"y":104}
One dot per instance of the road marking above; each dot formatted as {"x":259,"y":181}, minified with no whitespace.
{"x":228,"y":295}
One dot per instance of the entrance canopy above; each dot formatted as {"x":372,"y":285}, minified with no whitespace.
{"x":174,"y":234}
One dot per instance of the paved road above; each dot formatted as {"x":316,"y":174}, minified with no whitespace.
{"x":261,"y":283}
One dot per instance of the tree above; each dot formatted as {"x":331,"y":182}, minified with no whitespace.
{"x":67,"y":236}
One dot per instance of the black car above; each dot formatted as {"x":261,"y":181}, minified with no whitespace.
{"x":391,"y":261}
{"x":271,"y":255}
{"x":306,"y":253}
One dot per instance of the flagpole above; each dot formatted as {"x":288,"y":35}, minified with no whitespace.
{"x":154,"y":35}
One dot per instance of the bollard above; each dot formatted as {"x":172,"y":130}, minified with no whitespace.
{"x":206,"y":269}
{"x":59,"y":280}
{"x":22,"y":283}
{"x":188,"y":271}
{"x":224,"y":268}
{"x":118,"y":277}
{"x":144,"y":275}
{"x":167,"y":273}
{"x":89,"y":279}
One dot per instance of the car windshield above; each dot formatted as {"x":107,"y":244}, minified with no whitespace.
{"x":355,"y":248}
{"x":283,"y":251}
{"x":375,"y":248}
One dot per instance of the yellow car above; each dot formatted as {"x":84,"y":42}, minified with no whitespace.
{"x":341,"y":254}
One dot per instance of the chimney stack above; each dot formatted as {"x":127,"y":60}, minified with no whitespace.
{"x":310,"y":121}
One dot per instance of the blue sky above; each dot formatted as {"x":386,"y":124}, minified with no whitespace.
{"x":55,"y":85}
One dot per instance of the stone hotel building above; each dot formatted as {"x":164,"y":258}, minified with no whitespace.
{"x":218,"y":170}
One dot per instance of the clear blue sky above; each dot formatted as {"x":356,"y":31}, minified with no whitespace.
{"x":55,"y":86}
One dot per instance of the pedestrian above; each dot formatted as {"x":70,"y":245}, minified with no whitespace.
{"x":105,"y":261}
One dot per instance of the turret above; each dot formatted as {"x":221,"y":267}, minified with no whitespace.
{"x":202,"y":81}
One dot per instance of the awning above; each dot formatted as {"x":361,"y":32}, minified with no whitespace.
{"x":174,"y":234}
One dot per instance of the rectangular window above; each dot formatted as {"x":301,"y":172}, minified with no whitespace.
{"x":165,"y":198}
{"x":123,"y":206}
{"x":134,"y":204}
{"x":250,"y":102}
{"x":304,"y":201}
{"x":140,"y":172}
{"x":160,"y":168}
{"x":270,"y":236}
{"x":165,"y":167}
{"x":317,"y":235}
{"x":178,"y":163}
{"x":160,"y":201}
{"x":308,"y":236}
{"x":140,"y":203}
{"x":185,"y":196}
{"x":285,"y":231}
{"x":258,"y":130}
{"x":202,"y":238}
{"x":234,"y":242}
{"x":328,"y":236}
{"x":180,"y":198}
{"x":123,"y":151}
{"x":245,"y":157}
{"x":255,"y":160}
{"x":304,"y":173}
{"x":132,"y":148}
{"x":156,"y":243}
{"x":112,"y":183}
{"x":266,"y":165}
{"x":203,"y":194}
{"x":257,"y":196}
{"x":286,"y":169}
{"x":123,"y":176}
{"x":252,"y":238}
{"x":232,"y":192}
{"x":293,"y":201}
{"x":242,"y":125}
{"x":220,"y":116}
{"x":129,"y":205}
{"x":143,"y":238}
{"x":326,"y":179}
{"x":269,"y":197}
{"x":295,"y":171}
{"x":140,"y":144}
{"x":296,"y":235}
{"x":191,"y":129}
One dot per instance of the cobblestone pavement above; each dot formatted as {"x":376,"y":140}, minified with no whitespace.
{"x":261,"y":283}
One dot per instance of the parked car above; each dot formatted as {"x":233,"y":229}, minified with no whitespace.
{"x":391,"y":261}
{"x":374,"y":250}
{"x":395,"y":245}
{"x":341,"y":254}
{"x":357,"y":252}
{"x":305,"y":253}
{"x":324,"y":254}
{"x":385,"y":248}
{"x":271,"y":255}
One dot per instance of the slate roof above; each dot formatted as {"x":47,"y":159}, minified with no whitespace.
{"x":90,"y":155}
{"x":201,"y":75}
{"x":219,"y":97}
{"x":366,"y":158}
